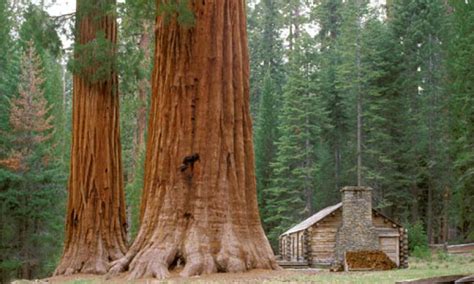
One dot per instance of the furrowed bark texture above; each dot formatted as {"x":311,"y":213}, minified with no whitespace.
{"x":199,"y":205}
{"x":95,"y":221}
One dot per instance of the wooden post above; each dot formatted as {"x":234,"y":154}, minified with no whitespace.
{"x":307,"y":245}
{"x":288,"y":248}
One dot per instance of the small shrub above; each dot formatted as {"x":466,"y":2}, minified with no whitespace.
{"x":422,"y":252}
{"x":443,"y":256}
{"x":417,"y":237}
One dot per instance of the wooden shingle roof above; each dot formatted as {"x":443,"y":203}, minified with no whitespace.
{"x":323,"y":214}
{"x":313,"y":219}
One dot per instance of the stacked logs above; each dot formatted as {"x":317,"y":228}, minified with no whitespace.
{"x":288,"y":248}
{"x":403,"y":248}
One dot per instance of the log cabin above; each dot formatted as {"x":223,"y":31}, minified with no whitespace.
{"x":351,"y":225}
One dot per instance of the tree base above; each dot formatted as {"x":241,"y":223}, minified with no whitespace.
{"x":86,"y":265}
{"x":158,"y":262}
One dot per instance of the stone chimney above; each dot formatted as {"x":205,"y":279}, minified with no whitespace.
{"x":357,"y":231}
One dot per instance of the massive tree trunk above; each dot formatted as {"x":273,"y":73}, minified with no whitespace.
{"x":95,"y":221}
{"x":199,"y":204}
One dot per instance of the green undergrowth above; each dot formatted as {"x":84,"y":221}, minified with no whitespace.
{"x":438,"y":265}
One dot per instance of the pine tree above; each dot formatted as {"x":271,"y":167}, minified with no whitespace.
{"x":266,"y":49}
{"x":461,"y":83}
{"x":351,"y":77}
{"x":290,"y":195}
{"x":418,"y":26}
{"x":32,"y":180}
{"x":29,"y":112}
{"x":266,"y":81}
{"x":8,"y":71}
{"x":33,"y":214}
{"x":265,"y":138}
{"x":383,"y":118}
{"x":328,"y":16}
{"x":434,"y":101}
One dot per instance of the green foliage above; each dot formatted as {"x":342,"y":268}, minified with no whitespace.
{"x":417,"y":238}
{"x":461,"y":86}
{"x":443,"y":256}
{"x":32,"y":197}
{"x":95,"y":61}
{"x":40,"y":29}
{"x":267,"y":79}
{"x":265,"y":135}
{"x":94,"y":57}
{"x":294,"y":171}
{"x":418,"y":241}
{"x":177,"y":9}
{"x":422,"y":253}
{"x":135,"y":66}
{"x":133,"y":195}
{"x":9,"y":64}
{"x":328,"y":15}
{"x":94,"y":11}
{"x":416,"y":126}
{"x":264,"y":25}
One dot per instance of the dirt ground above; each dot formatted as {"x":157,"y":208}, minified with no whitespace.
{"x":253,"y":276}
{"x":437,"y":265}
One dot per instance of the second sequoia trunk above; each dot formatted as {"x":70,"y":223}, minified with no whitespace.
{"x":199,"y":203}
{"x":95,"y":220}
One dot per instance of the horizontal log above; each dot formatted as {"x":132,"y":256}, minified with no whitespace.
{"x":322,"y":241}
{"x":323,"y":244}
{"x":439,"y":279}
{"x":467,"y":279}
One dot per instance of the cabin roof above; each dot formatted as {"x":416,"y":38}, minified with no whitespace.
{"x":323,"y":214}
{"x":313,"y":219}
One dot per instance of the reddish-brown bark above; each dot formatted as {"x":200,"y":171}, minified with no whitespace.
{"x":199,"y":204}
{"x":95,"y":220}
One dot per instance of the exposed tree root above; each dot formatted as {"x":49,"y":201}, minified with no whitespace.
{"x":82,"y":264}
{"x":200,"y":252}
{"x":157,"y":263}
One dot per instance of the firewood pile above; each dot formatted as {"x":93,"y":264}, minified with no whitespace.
{"x":368,"y":260}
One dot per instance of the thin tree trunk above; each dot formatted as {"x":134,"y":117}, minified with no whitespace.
{"x":308,"y":188}
{"x":431,"y":149}
{"x":414,"y":205}
{"x":95,"y":220}
{"x":199,"y":205}
{"x":359,"y":95}
{"x":445,"y":223}
{"x":359,"y":140}
{"x":143,"y":93}
{"x":337,"y":166}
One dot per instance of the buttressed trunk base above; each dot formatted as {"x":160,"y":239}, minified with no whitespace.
{"x":199,"y":203}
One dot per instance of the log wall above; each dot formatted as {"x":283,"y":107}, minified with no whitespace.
{"x":323,"y":239}
{"x":316,"y":245}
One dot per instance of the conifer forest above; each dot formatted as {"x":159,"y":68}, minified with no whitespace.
{"x":140,"y":135}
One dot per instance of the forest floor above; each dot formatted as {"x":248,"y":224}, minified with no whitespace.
{"x":436,"y":266}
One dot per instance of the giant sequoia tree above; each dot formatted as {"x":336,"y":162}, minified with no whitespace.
{"x":199,"y":202}
{"x":95,"y":220}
